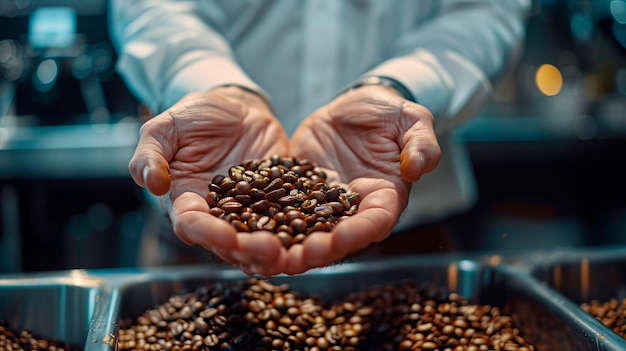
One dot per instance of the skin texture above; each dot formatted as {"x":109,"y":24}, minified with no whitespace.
{"x":182,"y":149}
{"x":377,"y":143}
{"x":370,"y":140}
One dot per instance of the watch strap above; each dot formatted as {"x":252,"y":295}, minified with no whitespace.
{"x":385,"y":81}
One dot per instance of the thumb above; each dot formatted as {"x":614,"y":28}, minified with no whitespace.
{"x":149,"y":165}
{"x":421,"y":152}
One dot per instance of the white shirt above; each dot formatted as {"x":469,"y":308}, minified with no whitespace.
{"x":300,"y":54}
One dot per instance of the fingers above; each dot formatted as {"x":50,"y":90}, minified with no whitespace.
{"x":420,"y":150}
{"x":257,"y":253}
{"x":149,"y":165}
{"x":201,"y":228}
{"x":372,"y":223}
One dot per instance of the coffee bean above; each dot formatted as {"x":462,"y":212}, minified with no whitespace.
{"x":260,"y":206}
{"x":287,"y":200}
{"x":227,"y":185}
{"x":243,"y":199}
{"x":275,"y":195}
{"x":280,"y":185}
{"x":285,"y":238}
{"x":240,"y":226}
{"x":274,"y":185}
{"x":212,"y":198}
{"x":22,"y":340}
{"x":232,"y":207}
{"x":323,"y":211}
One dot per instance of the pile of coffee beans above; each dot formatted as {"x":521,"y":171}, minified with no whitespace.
{"x":283,"y":195}
{"x":14,"y":340}
{"x":611,"y":313}
{"x":258,"y":315}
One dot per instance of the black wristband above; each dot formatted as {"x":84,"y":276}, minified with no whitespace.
{"x":386,"y":81}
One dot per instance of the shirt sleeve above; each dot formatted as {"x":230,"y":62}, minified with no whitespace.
{"x":166,"y":51}
{"x":450,"y":61}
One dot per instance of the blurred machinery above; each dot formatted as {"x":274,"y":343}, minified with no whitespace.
{"x":67,"y":129}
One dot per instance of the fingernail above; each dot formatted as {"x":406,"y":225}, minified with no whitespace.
{"x":144,"y":174}
{"x":422,"y":159}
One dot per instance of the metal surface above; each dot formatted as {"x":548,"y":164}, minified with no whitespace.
{"x":56,"y":306}
{"x":85,"y":306}
{"x":585,"y":275}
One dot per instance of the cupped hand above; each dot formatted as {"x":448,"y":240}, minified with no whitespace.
{"x":182,"y":149}
{"x":376,"y":143}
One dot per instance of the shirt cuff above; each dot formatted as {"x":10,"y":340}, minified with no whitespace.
{"x":423,"y":76}
{"x":206,"y":74}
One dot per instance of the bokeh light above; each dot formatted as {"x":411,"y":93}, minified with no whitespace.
{"x":581,"y":26}
{"x":618,"y":11}
{"x":548,"y":79}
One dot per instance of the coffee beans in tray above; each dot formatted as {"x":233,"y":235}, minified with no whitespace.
{"x":14,"y":340}
{"x":283,"y":195}
{"x":258,"y":315}
{"x":611,"y":313}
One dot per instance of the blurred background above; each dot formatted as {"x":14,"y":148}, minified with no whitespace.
{"x":547,"y":150}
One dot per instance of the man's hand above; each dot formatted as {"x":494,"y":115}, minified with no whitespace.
{"x":377,"y":143}
{"x":182,"y":149}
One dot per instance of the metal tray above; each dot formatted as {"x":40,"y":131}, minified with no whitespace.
{"x":541,"y":313}
{"x":583,"y":275}
{"x":580,"y":276}
{"x":85,"y":307}
{"x":56,"y":306}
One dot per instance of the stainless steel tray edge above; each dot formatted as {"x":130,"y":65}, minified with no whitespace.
{"x":109,"y":284}
{"x":104,"y":325}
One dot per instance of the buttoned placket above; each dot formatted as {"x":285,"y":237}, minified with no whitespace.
{"x":321,"y":29}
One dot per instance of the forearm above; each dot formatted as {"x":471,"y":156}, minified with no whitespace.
{"x":166,"y":51}
{"x":451,"y":61}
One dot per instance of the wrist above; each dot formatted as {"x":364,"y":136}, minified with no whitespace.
{"x":387,"y":82}
{"x":246,"y":95}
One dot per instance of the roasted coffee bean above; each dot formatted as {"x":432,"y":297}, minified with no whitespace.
{"x":279,"y":218}
{"x":293,"y":214}
{"x":332,"y":194}
{"x":323,"y":211}
{"x":298,"y":226}
{"x":289,"y":187}
{"x":240,"y":226}
{"x":227,"y":185}
{"x":275,"y":195}
{"x":611,"y":313}
{"x":216,"y":211}
{"x":298,"y":238}
{"x":256,"y":194}
{"x":280,"y":185}
{"x":287,"y":200}
{"x":212,"y":198}
{"x":260,"y":206}
{"x":224,"y":200}
{"x":242,"y":187}
{"x":285,"y":229}
{"x":232,"y":207}
{"x":308,"y":205}
{"x":274,"y":185}
{"x":218,"y":179}
{"x":243,"y":199}
{"x":24,"y":340}
{"x":285,"y":238}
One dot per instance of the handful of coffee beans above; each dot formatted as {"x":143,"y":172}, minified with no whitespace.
{"x":283,"y":195}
